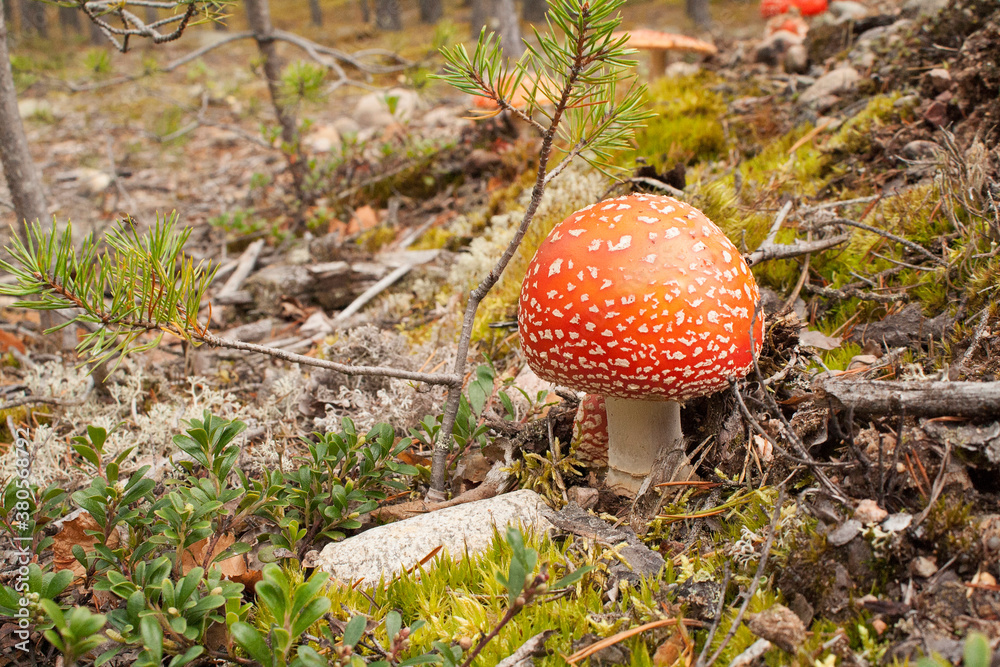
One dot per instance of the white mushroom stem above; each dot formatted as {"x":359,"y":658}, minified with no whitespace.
{"x":637,"y":432}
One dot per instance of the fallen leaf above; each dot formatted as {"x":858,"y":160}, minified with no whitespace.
{"x":9,"y":340}
{"x":233,"y":568}
{"x":71,"y":534}
{"x":671,"y":651}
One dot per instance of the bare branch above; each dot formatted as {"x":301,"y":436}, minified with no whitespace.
{"x":854,"y":293}
{"x":346,"y":369}
{"x":881,"y":232}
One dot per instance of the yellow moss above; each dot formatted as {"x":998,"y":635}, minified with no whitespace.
{"x":432,"y":239}
{"x":376,"y":238}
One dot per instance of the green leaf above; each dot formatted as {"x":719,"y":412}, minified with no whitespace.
{"x":247,"y":637}
{"x":573,"y":577}
{"x":355,"y":630}
{"x":977,"y":651}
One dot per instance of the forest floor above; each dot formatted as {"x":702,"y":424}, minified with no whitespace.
{"x":886,"y":546}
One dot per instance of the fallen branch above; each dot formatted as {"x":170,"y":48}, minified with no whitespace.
{"x":767,"y":252}
{"x":917,"y":398}
{"x":881,"y":232}
{"x":853,"y":293}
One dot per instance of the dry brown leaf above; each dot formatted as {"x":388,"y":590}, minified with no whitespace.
{"x":9,"y":340}
{"x":364,"y":218}
{"x":194,"y":556}
{"x":671,"y":651}
{"x":72,"y":534}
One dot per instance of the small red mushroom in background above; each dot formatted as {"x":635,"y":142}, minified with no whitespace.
{"x":771,"y":8}
{"x":658,"y":43}
{"x":644,"y":300}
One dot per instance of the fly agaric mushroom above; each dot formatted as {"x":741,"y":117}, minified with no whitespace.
{"x":590,"y":431}
{"x":658,"y":43}
{"x":644,"y":300}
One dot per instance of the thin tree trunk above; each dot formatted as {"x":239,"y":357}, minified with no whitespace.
{"x":315,"y":12}
{"x":482,"y":13}
{"x":69,"y":20}
{"x":151,"y":15}
{"x":22,"y":178}
{"x":387,"y":16}
{"x":97,"y":38}
{"x":259,"y":20}
{"x":697,"y":11}
{"x":33,"y":18}
{"x":510,"y":29}
{"x":534,"y":10}
{"x":430,"y":11}
{"x":8,"y":11}
{"x":366,"y":11}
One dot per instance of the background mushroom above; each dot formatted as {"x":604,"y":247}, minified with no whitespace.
{"x":644,"y":300}
{"x":659,"y":43}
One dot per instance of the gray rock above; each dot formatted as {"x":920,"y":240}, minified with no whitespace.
{"x":916,"y":8}
{"x":837,"y":82}
{"x":906,"y":102}
{"x":385,"y":551}
{"x":381,"y":109}
{"x":847,"y":10}
{"x":844,"y":533}
{"x":921,"y":149}
{"x":796,"y":59}
{"x":897,"y":522}
{"x":641,"y":560}
{"x":939,"y":78}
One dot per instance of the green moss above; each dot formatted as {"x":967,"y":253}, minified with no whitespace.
{"x":687,"y":126}
{"x":463,"y":599}
{"x":855,"y":134}
{"x":951,"y":529}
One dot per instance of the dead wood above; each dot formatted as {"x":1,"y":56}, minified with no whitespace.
{"x":915,"y":398}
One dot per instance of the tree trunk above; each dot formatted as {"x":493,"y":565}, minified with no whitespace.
{"x":481,"y":16}
{"x":387,"y":16}
{"x":534,"y":10}
{"x":33,"y":18}
{"x":430,"y":11}
{"x":8,"y":11}
{"x":366,"y":11}
{"x":697,"y":11}
{"x":510,"y":29}
{"x":69,"y":20}
{"x":151,"y":15}
{"x":22,"y":178}
{"x":315,"y":12}
{"x":97,"y":38}
{"x":259,"y":21}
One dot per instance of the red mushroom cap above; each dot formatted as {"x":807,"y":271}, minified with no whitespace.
{"x":769,"y":8}
{"x":640,"y":297}
{"x":810,"y":7}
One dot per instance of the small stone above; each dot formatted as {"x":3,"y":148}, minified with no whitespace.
{"x":906,"y":101}
{"x":322,"y":139}
{"x":937,"y":113}
{"x":868,"y":511}
{"x":939,"y":78}
{"x":780,"y":626}
{"x":681,"y":69}
{"x":897,"y":522}
{"x":921,"y":149}
{"x":836,"y":82}
{"x":796,"y":59}
{"x":916,"y":8}
{"x":844,"y":533}
{"x":584,"y":496}
{"x":847,"y":10}
{"x":921,"y":566}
